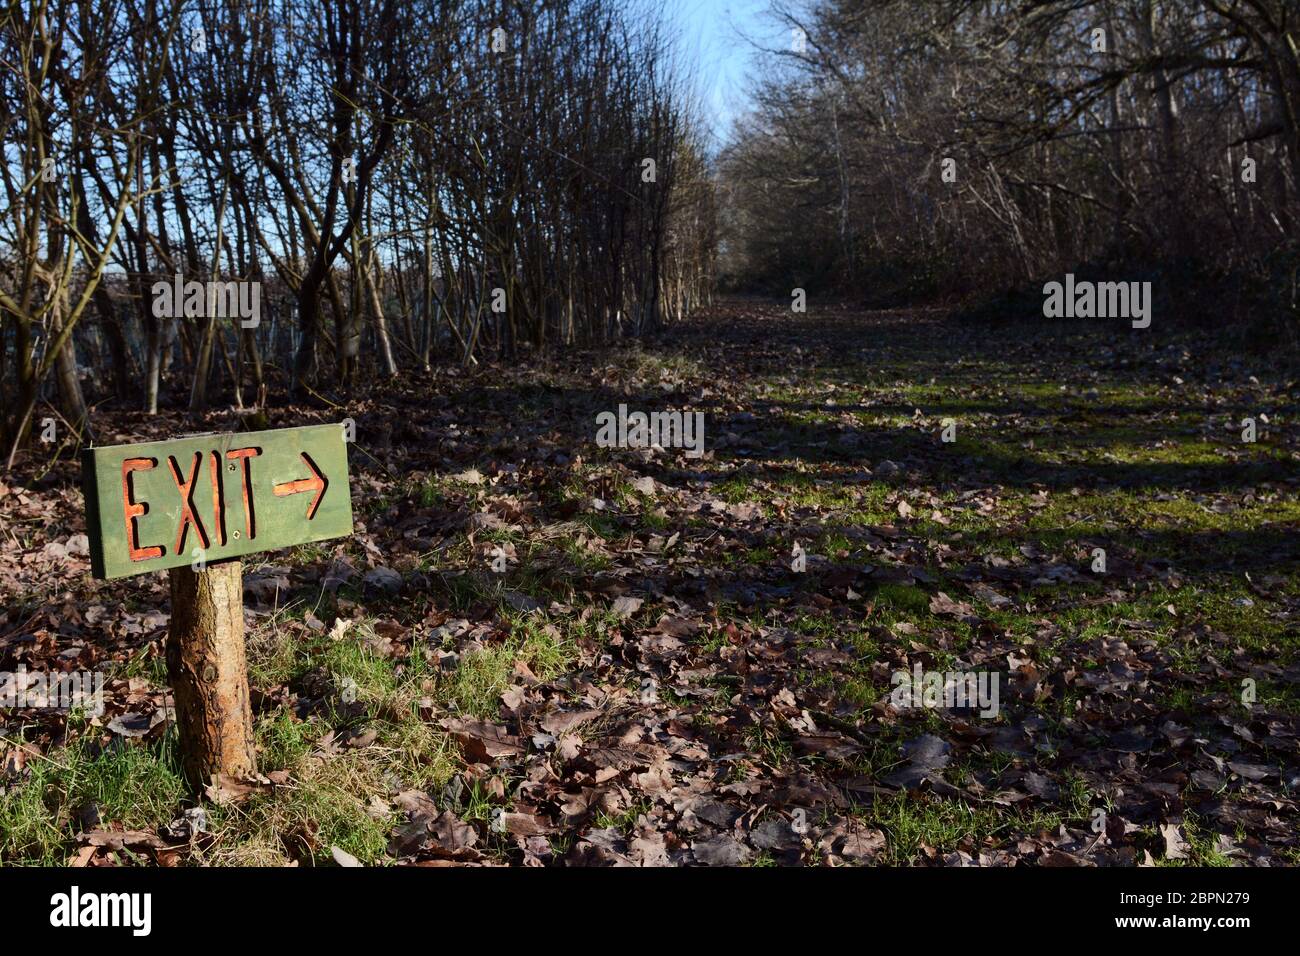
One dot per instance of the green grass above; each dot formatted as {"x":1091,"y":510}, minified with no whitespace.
{"x":475,"y":687}
{"x":136,"y":785}
{"x":912,"y":823}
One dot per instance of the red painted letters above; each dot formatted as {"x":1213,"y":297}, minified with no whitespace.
{"x":134,"y":510}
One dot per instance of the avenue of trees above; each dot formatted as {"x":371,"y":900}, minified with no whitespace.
{"x":934,"y":147}
{"x":409,"y":182}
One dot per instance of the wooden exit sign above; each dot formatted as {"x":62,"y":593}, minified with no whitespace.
{"x":150,"y":506}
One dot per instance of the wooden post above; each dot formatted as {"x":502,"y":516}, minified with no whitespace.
{"x":208,"y":673}
{"x":152,"y":506}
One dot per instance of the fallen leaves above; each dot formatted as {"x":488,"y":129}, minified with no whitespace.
{"x":625,"y":606}
{"x":925,"y":756}
{"x":944,"y":605}
{"x":702,"y":698}
{"x":483,"y":742}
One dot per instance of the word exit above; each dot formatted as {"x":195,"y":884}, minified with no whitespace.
{"x":160,"y":505}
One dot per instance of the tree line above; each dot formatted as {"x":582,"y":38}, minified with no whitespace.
{"x":945,"y":147}
{"x":406,"y":181}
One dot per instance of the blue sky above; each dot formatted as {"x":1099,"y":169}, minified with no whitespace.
{"x":711,"y":37}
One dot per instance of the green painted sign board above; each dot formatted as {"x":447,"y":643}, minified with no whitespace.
{"x":165,"y":504}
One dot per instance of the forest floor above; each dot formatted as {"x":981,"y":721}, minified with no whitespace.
{"x":652,"y":681}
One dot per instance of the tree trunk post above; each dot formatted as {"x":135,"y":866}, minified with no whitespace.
{"x":209,"y":674}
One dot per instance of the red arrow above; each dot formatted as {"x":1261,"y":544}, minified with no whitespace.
{"x":318,"y":483}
